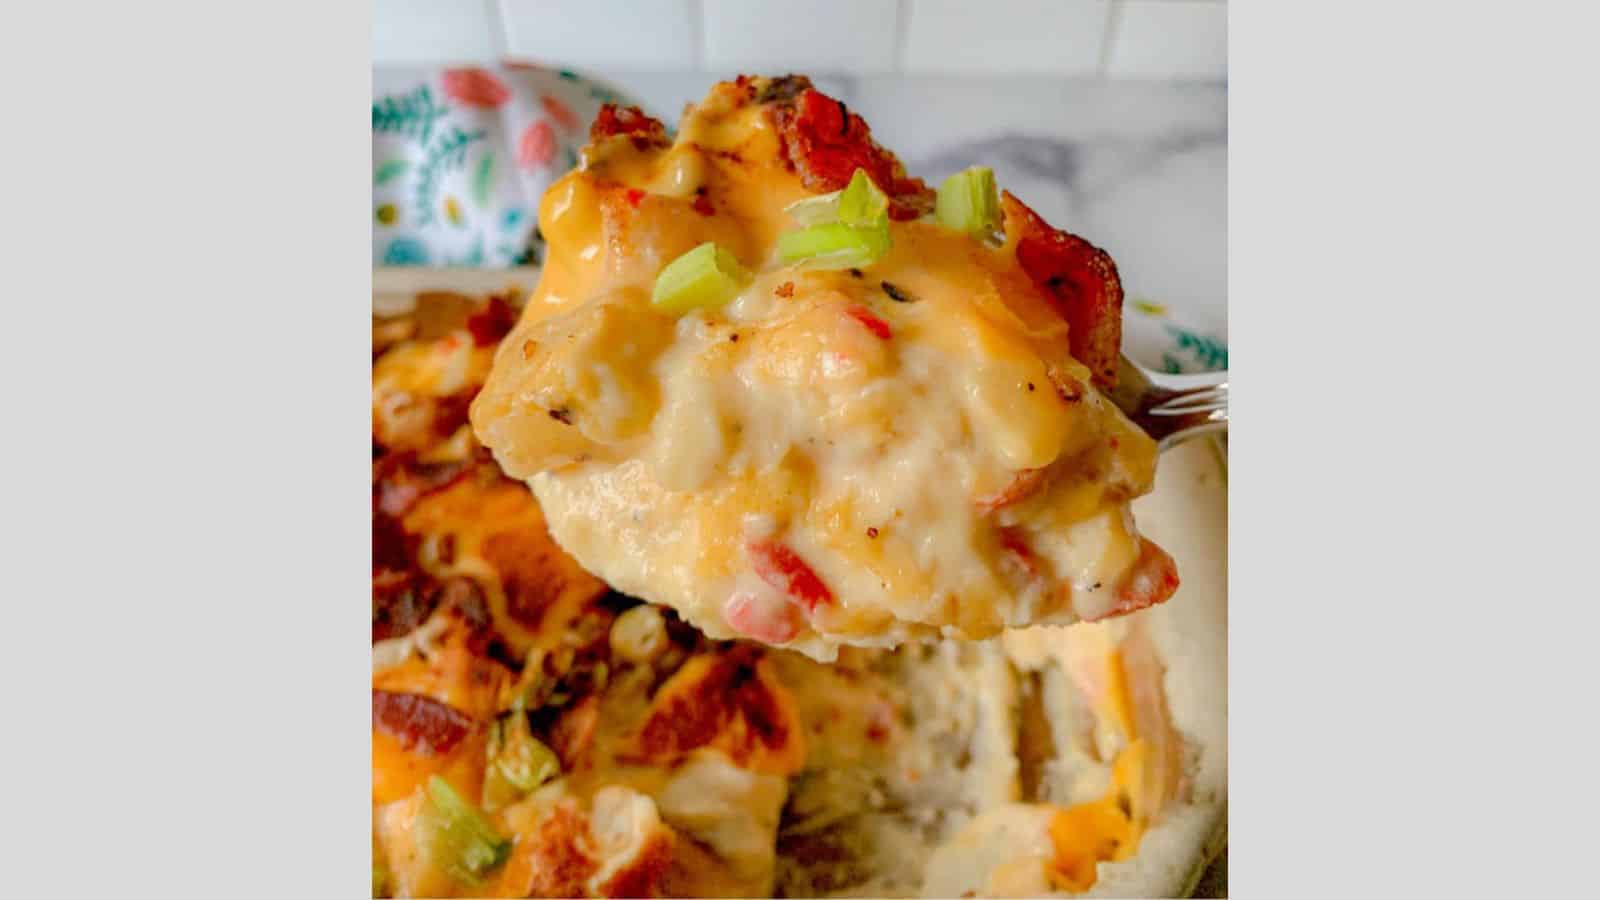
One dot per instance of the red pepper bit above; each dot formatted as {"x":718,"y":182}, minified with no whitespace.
{"x":874,"y":324}
{"x":783,"y":569}
{"x":702,"y":205}
{"x":634,"y":196}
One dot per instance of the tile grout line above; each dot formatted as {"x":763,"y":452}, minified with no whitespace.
{"x":1109,"y":36}
{"x":502,"y":38}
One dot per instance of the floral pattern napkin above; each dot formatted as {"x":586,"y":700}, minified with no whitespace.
{"x":460,"y":158}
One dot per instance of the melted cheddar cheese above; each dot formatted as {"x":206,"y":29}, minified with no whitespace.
{"x":857,"y":457}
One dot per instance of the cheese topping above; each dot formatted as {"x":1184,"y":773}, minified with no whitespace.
{"x":860,"y":456}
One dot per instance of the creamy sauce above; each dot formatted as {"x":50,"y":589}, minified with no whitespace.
{"x":661,"y":447}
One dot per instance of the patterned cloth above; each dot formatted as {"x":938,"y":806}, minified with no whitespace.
{"x":460,"y":158}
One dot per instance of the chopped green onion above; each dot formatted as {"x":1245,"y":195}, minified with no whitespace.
{"x":968,"y":202}
{"x":834,"y":246}
{"x":464,"y":844}
{"x":862,"y":203}
{"x":705,"y":277}
{"x":818,"y":210}
{"x":517,"y":761}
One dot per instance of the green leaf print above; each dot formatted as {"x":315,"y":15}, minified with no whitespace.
{"x":389,"y":171}
{"x":412,"y":114}
{"x":1211,"y":353}
{"x":448,"y":153}
{"x":483,"y":180}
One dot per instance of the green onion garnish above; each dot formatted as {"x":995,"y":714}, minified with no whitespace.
{"x":968,"y":202}
{"x":465,"y":845}
{"x":862,"y":203}
{"x":817,"y":210}
{"x":517,"y":761}
{"x":705,"y":277}
{"x":834,"y":246}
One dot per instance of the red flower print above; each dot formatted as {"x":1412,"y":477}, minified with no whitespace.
{"x":537,"y":145}
{"x":559,"y":111}
{"x":475,"y":87}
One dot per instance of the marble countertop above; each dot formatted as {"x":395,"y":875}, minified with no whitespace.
{"x":1139,"y":168}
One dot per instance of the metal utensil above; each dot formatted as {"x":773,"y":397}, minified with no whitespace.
{"x":1172,"y":408}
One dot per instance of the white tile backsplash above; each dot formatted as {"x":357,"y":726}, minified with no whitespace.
{"x":426,"y":31}
{"x":1020,"y":37}
{"x":773,"y":36}
{"x":622,"y":35}
{"x":1167,"y":39}
{"x":1120,"y":39}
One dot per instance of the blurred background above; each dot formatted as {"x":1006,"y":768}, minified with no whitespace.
{"x":1109,"y":117}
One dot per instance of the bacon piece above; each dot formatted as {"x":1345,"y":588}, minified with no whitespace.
{"x":399,"y":481}
{"x":1022,"y":486}
{"x":826,"y":143}
{"x":1079,"y":278}
{"x":401,"y":602}
{"x":1153,"y":579}
{"x":874,"y":324}
{"x":419,"y":722}
{"x":783,"y":569}
{"x":491,"y":323}
{"x":629,"y":120}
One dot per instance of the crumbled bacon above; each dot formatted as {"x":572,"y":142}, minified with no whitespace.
{"x":782,"y":568}
{"x":1022,"y":485}
{"x":491,"y":323}
{"x":399,"y":481}
{"x":1079,"y":278}
{"x":401,"y":601}
{"x":629,"y":120}
{"x":1153,"y":579}
{"x":419,"y":722}
{"x":826,"y":143}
